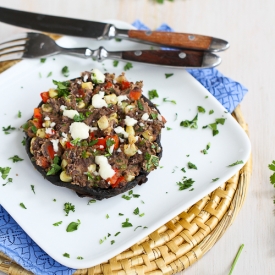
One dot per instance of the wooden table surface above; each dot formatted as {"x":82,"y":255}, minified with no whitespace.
{"x":249,"y":27}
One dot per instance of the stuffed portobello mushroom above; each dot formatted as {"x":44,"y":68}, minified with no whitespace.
{"x":96,"y":134}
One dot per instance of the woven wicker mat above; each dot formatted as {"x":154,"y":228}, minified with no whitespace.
{"x":180,"y":242}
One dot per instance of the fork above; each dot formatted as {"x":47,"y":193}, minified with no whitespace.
{"x":37,"y":45}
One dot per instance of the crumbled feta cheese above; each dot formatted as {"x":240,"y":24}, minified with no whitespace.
{"x":43,"y":124}
{"x":47,"y":118}
{"x":111,"y":149}
{"x":141,"y":124}
{"x":159,"y":117}
{"x":105,"y":169}
{"x":118,"y":150}
{"x":63,"y":107}
{"x":79,"y":130}
{"x":97,"y":76}
{"x":70,"y":113}
{"x":52,"y":124}
{"x":85,"y":78}
{"x":49,"y":131}
{"x":121,"y":139}
{"x":120,"y":130}
{"x":79,"y":82}
{"x":64,"y":135}
{"x":145,"y":116}
{"x":139,"y":152}
{"x":55,"y":144}
{"x":98,"y":100}
{"x":129,"y":121}
{"x":92,"y":129}
{"x":121,"y":98}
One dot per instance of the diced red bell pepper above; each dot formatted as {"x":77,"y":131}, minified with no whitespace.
{"x":101,"y":143}
{"x":69,"y":145}
{"x":135,"y":94}
{"x":37,"y":123}
{"x":42,"y":161}
{"x":108,"y":85}
{"x":81,"y":93}
{"x":51,"y":151}
{"x":118,"y":181}
{"x":125,"y":85}
{"x":45,"y":96}
{"x":37,"y":113}
{"x":92,"y":135}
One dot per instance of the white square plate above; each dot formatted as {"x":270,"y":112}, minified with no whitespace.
{"x":160,"y":198}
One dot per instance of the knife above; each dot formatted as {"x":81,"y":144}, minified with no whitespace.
{"x":98,"y":30}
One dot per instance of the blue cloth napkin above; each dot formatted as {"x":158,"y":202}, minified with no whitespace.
{"x":15,"y":243}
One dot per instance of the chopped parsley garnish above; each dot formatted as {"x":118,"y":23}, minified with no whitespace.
{"x":34,"y":129}
{"x":192,"y":124}
{"x":120,"y":214}
{"x":185,"y":183}
{"x":19,"y":114}
{"x":49,"y":74}
{"x":126,"y":197}
{"x":79,"y":118}
{"x":57,"y":223}
{"x":151,"y":161}
{"x":91,"y":201}
{"x":54,"y":166}
{"x":140,"y":106}
{"x":43,"y":60}
{"x":220,"y":121}
{"x":68,"y":207}
{"x":75,"y":141}
{"x":213,"y":180}
{"x":65,"y":71}
{"x":15,"y":158}
{"x":117,"y":234}
{"x":93,"y":142}
{"x":109,"y":143}
{"x":79,"y":258}
{"x":272,"y":177}
{"x":168,"y":75}
{"x":66,"y":255}
{"x":24,"y":141}
{"x":176,"y":116}
{"x":236,"y":163}
{"x":23,"y":205}
{"x":8,"y":129}
{"x":62,"y":88}
{"x":153,"y":94}
{"x":205,"y":151}
{"x":166,"y":100}
{"x":168,"y":128}
{"x":191,"y":165}
{"x":126,"y":223}
{"x":154,"y":116}
{"x":183,"y":170}
{"x":9,"y":180}
{"x":73,"y":226}
{"x":5,"y":172}
{"x":112,"y":241}
{"x":136,"y":211}
{"x":201,"y":109}
{"x":117,"y":39}
{"x":115,"y":63}
{"x":84,"y":155}
{"x":107,"y":216}
{"x":128,"y":66}
{"x":32,"y":187}
{"x":211,"y":112}
{"x":137,"y":227}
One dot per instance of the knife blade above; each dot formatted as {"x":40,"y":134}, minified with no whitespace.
{"x":98,"y":30}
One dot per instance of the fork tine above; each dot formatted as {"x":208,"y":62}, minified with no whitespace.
{"x":11,"y":56}
{"x":12,"y":50}
{"x":12,"y":44}
{"x":19,"y":36}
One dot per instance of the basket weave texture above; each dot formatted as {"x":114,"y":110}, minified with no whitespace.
{"x":181,"y":241}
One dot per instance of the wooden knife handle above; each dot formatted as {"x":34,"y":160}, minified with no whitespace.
{"x":173,"y":39}
{"x":166,"y":57}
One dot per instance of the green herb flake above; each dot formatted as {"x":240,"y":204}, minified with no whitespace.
{"x":185,"y":183}
{"x":136,"y":211}
{"x":115,"y":63}
{"x":201,"y":109}
{"x":128,"y":66}
{"x":192,"y":124}
{"x":15,"y":158}
{"x":22,"y":205}
{"x":272,"y":177}
{"x":140,"y":106}
{"x":120,"y":214}
{"x":57,"y":223}
{"x":107,"y":216}
{"x":19,"y":114}
{"x":79,"y":258}
{"x":112,"y":241}
{"x":65,"y":71}
{"x":79,"y":118}
{"x":91,"y":201}
{"x":220,"y":121}
{"x":43,"y":60}
{"x":168,"y":75}
{"x":73,"y":226}
{"x":168,"y":128}
{"x":126,"y":223}
{"x":5,"y":172}
{"x":183,"y":170}
{"x":213,"y":180}
{"x":117,"y":39}
{"x":7,"y":130}
{"x":24,"y":141}
{"x":137,"y":227}
{"x":54,"y":166}
{"x":126,"y":197}
{"x":9,"y":180}
{"x":117,"y":234}
{"x":211,"y":112}
{"x":49,"y":74}
{"x":68,"y":207}
{"x":62,"y":88}
{"x":153,"y":94}
{"x":192,"y":166}
{"x":66,"y":255}
{"x":236,"y":163}
{"x":166,"y":100}
{"x":176,"y":116}
{"x":32,"y":187}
